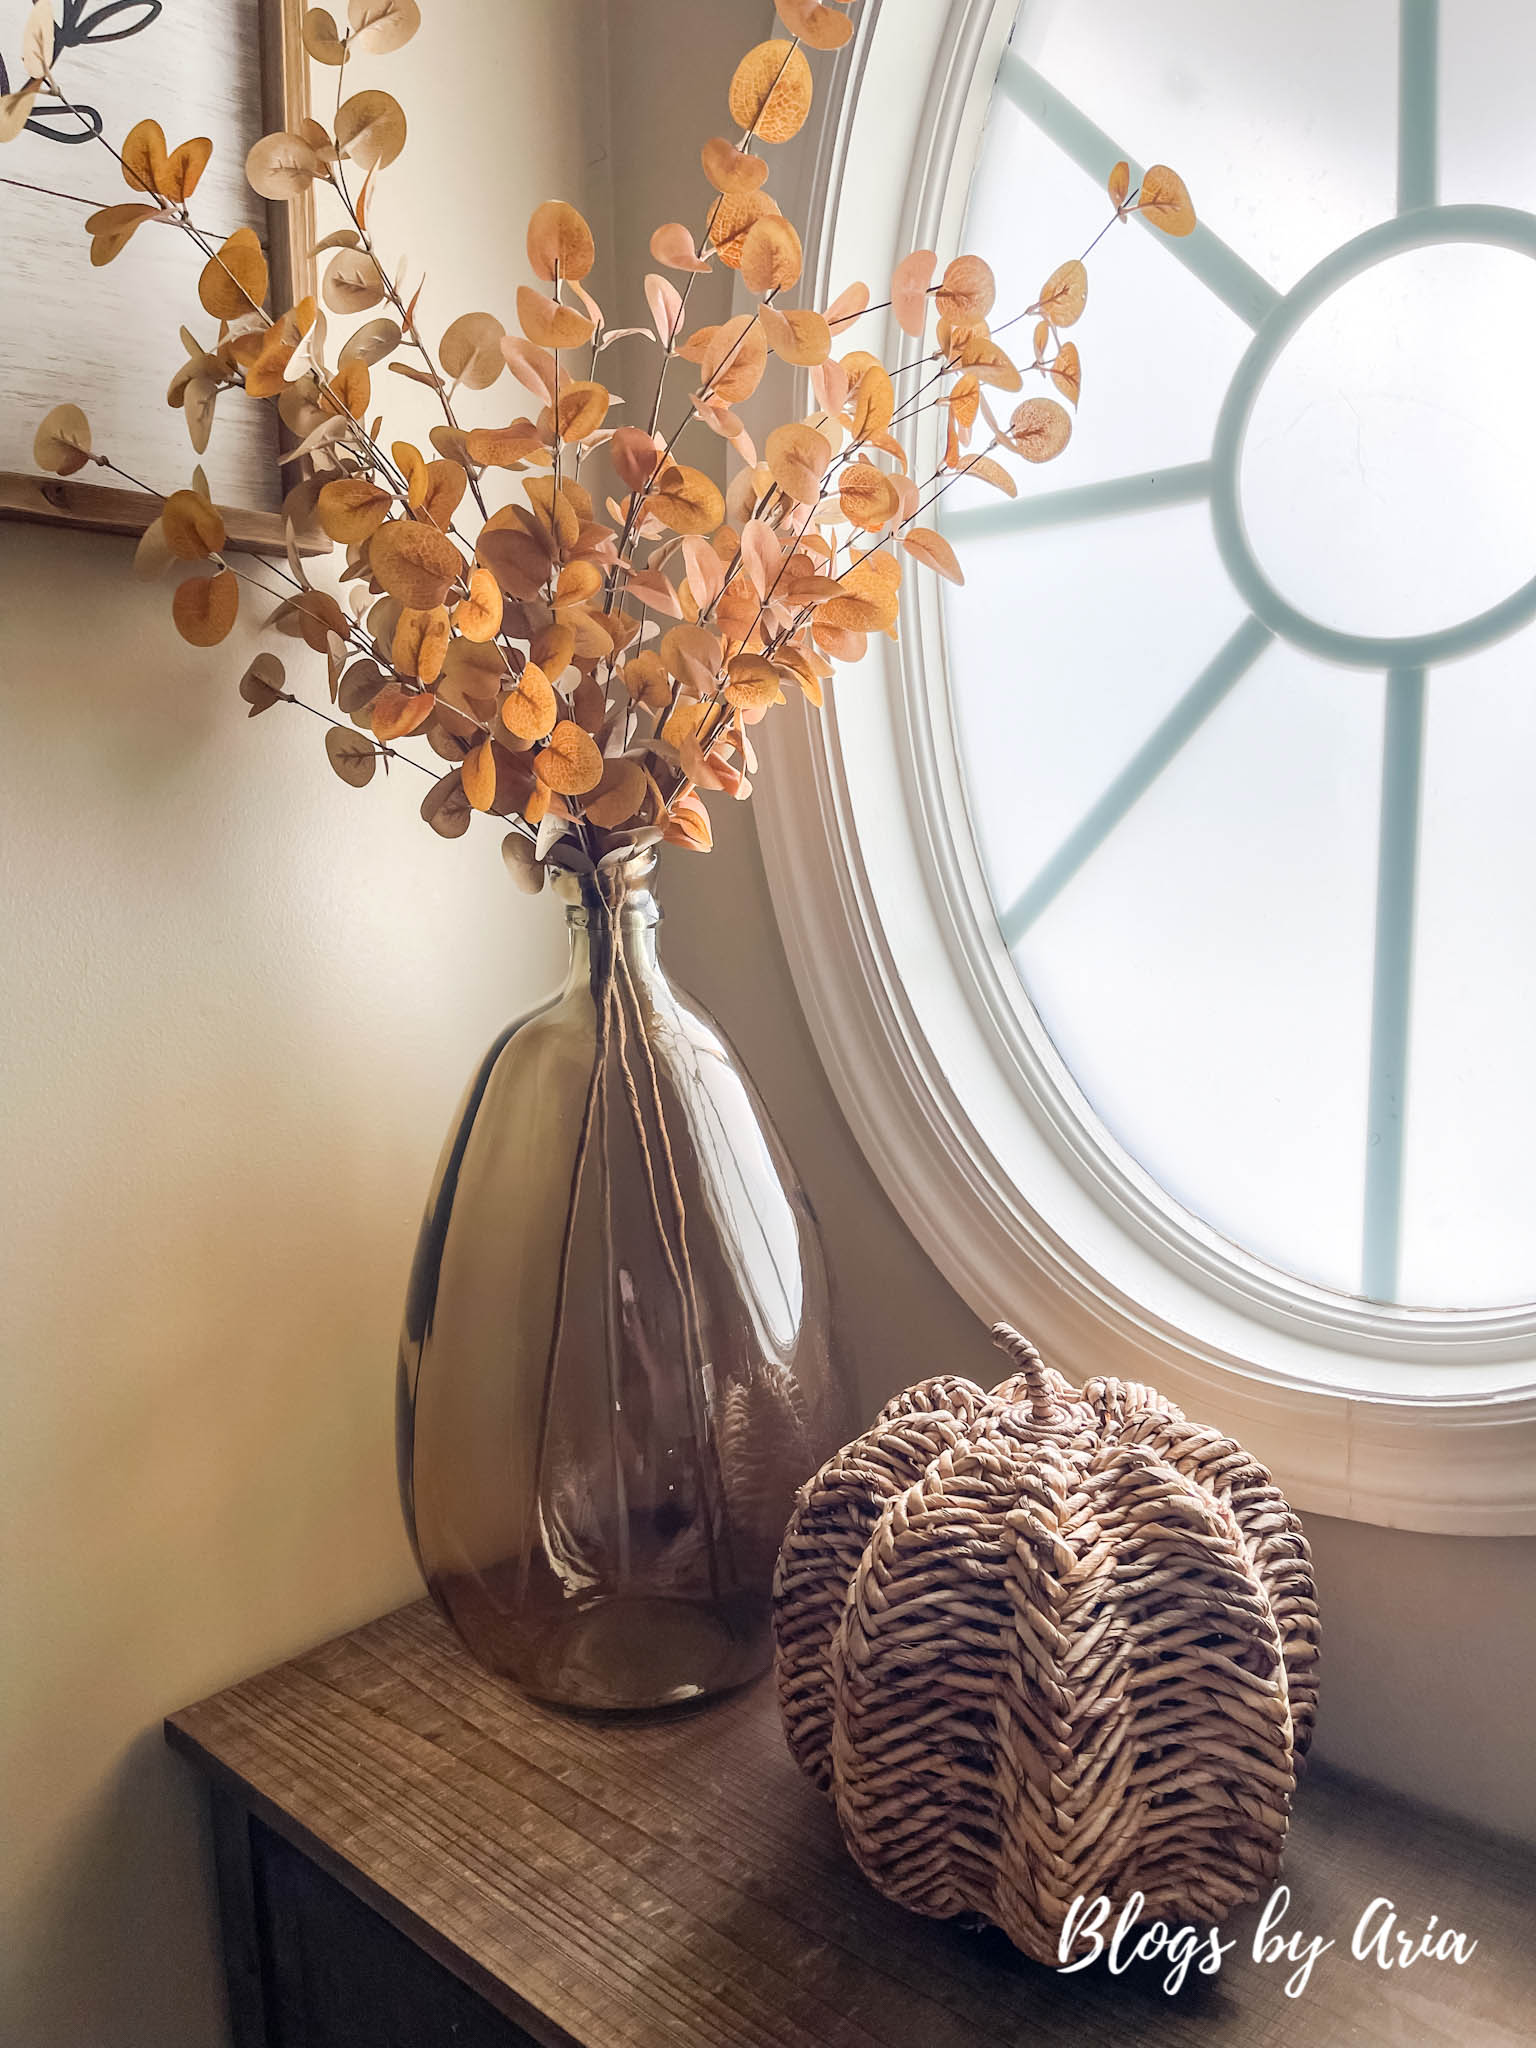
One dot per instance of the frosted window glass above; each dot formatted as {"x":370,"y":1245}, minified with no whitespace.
{"x":1207,"y":976}
{"x":1282,"y":120}
{"x":1051,"y":691}
{"x":1469,"y":1213}
{"x":1380,"y":496}
{"x":1248,"y":749}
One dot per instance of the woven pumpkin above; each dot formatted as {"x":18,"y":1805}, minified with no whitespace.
{"x":1046,"y":1643}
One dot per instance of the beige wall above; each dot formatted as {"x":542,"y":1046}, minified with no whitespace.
{"x":239,"y":1002}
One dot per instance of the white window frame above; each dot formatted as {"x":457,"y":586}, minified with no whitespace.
{"x":947,"y":1077}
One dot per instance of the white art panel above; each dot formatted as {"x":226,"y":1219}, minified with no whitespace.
{"x":106,"y":339}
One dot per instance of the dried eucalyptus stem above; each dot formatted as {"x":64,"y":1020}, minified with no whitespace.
{"x":586,"y":659}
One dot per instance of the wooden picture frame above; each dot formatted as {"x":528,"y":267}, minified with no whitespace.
{"x":290,"y":237}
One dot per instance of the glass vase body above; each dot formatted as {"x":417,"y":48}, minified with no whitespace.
{"x":615,"y":1366}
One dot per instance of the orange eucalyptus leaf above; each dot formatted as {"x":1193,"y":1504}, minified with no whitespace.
{"x":734,"y":360}
{"x":504,"y":447}
{"x":965,"y":400}
{"x":867,"y":496}
{"x":204,"y":608}
{"x":143,"y":156}
{"x":581,"y":411}
{"x":560,"y":243}
{"x":1165,"y":201}
{"x":733,"y":219}
{"x":420,"y":643}
{"x":771,"y":92}
{"x":348,"y":391}
{"x":967,"y":289}
{"x":1039,"y":429}
{"x":1064,"y":293}
{"x":688,"y":825}
{"x":763,"y":553}
{"x":874,"y":401}
{"x":752,"y":683}
{"x":394,"y":713}
{"x":478,"y":616}
{"x":412,"y":465}
{"x":868,"y":603}
{"x":796,"y":334}
{"x":63,"y":441}
{"x":414,"y":562}
{"x":686,"y":500}
{"x":234,"y":281}
{"x":577,"y":582}
{"x":817,"y":26}
{"x":192,"y":528}
{"x":730,"y":169}
{"x":551,"y":649}
{"x":550,"y":325}
{"x":771,"y":258}
{"x":444,"y":483}
{"x":934,"y":551}
{"x":798,"y":457}
{"x":569,"y":763}
{"x":112,"y":228}
{"x":530,"y":708}
{"x":352,"y":509}
{"x":479,"y":777}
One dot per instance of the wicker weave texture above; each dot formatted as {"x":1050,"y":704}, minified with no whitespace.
{"x":1046,"y":1642}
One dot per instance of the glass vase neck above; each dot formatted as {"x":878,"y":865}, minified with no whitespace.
{"x":611,"y":910}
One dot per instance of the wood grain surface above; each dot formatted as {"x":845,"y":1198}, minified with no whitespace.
{"x":672,"y":1882}
{"x":102,"y":508}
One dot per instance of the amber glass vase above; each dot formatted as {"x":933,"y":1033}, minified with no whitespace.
{"x":615,"y":1367}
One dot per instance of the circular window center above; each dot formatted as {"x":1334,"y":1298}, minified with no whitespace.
{"x":1384,"y":478}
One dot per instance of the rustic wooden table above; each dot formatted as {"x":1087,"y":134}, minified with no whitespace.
{"x":411,"y":1856}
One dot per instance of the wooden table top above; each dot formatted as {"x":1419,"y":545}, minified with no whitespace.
{"x":672,"y":1882}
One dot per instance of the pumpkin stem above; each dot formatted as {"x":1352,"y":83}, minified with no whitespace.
{"x":1030,"y":1367}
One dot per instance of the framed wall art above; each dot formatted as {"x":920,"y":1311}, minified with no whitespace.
{"x":227,"y":69}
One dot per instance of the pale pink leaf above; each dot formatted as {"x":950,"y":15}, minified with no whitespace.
{"x":650,"y":587}
{"x":706,"y":571}
{"x":829,"y":381}
{"x":534,"y":368}
{"x":909,"y":290}
{"x":761,"y":552}
{"x":847,"y":307}
{"x":673,"y":245}
{"x":666,"y":304}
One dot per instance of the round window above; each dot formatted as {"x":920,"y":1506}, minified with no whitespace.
{"x":1244,"y":689}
